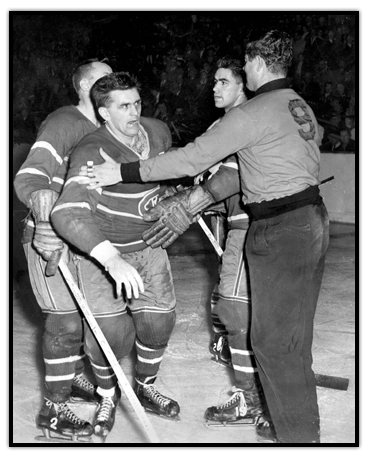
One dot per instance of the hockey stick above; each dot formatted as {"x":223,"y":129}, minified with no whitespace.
{"x":210,"y":236}
{"x":108,"y":353}
{"x":324,"y":381}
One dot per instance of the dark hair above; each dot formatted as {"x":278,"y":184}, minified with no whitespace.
{"x":275,"y":48}
{"x":101,"y":90}
{"x":83,"y":70}
{"x":236,"y":67}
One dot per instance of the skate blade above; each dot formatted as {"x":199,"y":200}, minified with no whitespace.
{"x":60,"y":439}
{"x":217,"y":360}
{"x":164,"y":417}
{"x":242,"y":422}
{"x":266,"y":441}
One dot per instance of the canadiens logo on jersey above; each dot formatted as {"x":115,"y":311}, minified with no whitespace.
{"x":129,"y":204}
{"x":148,"y":201}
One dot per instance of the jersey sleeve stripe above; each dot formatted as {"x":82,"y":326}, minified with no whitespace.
{"x":50,"y":148}
{"x":33,"y":171}
{"x":58,"y":180}
{"x":81,"y":180}
{"x":238,"y":217}
{"x":71,"y":205}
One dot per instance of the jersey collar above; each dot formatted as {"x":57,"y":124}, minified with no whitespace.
{"x":280,"y":83}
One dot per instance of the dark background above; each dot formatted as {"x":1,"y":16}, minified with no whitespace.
{"x":46,"y":47}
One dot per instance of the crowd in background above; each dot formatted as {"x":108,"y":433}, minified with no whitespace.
{"x":176,"y":71}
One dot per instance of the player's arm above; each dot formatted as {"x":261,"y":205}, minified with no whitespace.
{"x":73,"y":218}
{"x":37,"y":184}
{"x":232,"y":133}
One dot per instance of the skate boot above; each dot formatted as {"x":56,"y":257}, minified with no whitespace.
{"x":155,"y":402}
{"x":83,"y":390}
{"x":220,"y":349}
{"x":56,"y":417}
{"x":105,"y":414}
{"x":240,"y":409}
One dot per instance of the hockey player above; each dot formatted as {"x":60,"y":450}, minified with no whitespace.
{"x":275,"y":136}
{"x":230,"y":299}
{"x":38,"y":185}
{"x":106,"y":224}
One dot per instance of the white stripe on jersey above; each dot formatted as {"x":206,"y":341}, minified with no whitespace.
{"x":127,"y":244}
{"x":58,"y":180}
{"x":70,"y":205}
{"x":107,"y":210}
{"x":82,"y":180}
{"x":137,"y":195}
{"x":50,"y":148}
{"x":33,"y":171}
{"x":238,"y":217}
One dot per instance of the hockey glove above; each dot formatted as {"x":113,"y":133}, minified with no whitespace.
{"x":174,"y":215}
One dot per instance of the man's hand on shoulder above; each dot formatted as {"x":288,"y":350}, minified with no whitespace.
{"x":101,"y":175}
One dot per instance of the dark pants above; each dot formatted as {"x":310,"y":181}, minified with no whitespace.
{"x":286,"y":256}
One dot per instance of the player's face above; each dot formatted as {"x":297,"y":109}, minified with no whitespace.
{"x":123,"y":113}
{"x":227,"y":91}
{"x":99,"y":70}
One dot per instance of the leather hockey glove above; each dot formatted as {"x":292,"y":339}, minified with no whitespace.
{"x":45,"y":240}
{"x":174,"y":215}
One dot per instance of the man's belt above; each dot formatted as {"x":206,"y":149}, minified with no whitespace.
{"x":271,"y":208}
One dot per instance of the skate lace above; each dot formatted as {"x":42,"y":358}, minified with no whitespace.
{"x":83,"y":383}
{"x":105,"y":409}
{"x":236,"y":398}
{"x":70,"y":415}
{"x":156,"y":396}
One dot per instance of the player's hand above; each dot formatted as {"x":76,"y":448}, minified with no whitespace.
{"x":45,"y":240}
{"x":105,"y":174}
{"x":123,"y":272}
{"x":172,"y":220}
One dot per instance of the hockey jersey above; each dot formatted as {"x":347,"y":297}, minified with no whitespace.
{"x":236,"y":216}
{"x":47,"y":162}
{"x":86,"y":218}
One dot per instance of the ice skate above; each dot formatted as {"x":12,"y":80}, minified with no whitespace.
{"x":155,"y":402}
{"x":60,"y":424}
{"x":105,"y":414}
{"x":220,"y":349}
{"x":239,"y":410}
{"x":83,"y":391}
